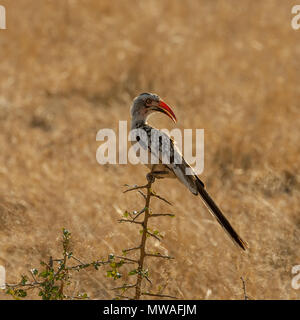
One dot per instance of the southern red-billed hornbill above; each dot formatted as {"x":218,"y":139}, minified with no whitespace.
{"x":143,"y":106}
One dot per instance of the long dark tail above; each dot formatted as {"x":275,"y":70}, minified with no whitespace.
{"x":213,"y":208}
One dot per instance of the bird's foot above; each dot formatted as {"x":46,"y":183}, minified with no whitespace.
{"x":159,"y":174}
{"x":150,"y":177}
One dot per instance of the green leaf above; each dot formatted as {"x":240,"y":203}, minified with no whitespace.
{"x":44,"y":274}
{"x":132,"y":272}
{"x":21,"y":293}
{"x":24,"y":280}
{"x":126,"y":213}
{"x":96,"y":265}
{"x":34,"y":271}
{"x":65,"y":232}
{"x":109,"y":274}
{"x":84,"y":296}
{"x":119,"y":264}
{"x":111,"y":256}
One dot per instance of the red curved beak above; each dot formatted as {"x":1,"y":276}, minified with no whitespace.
{"x":167,"y":110}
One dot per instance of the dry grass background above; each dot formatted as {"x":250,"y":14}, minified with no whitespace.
{"x":69,"y":68}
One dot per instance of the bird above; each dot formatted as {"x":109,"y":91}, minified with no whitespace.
{"x":142,"y":107}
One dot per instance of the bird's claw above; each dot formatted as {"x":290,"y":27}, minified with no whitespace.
{"x":150,"y":177}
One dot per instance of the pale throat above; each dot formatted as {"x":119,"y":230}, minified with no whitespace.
{"x":139,"y":120}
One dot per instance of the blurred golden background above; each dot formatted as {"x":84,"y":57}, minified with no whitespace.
{"x":69,"y":68}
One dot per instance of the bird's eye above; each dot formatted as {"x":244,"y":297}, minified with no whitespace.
{"x":148,"y":101}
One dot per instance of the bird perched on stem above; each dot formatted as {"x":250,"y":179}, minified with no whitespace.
{"x":162,"y":148}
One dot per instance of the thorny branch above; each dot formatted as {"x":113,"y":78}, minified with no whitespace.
{"x":143,"y":242}
{"x":145,"y":233}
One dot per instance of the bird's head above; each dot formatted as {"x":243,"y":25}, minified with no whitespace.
{"x":147,"y":103}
